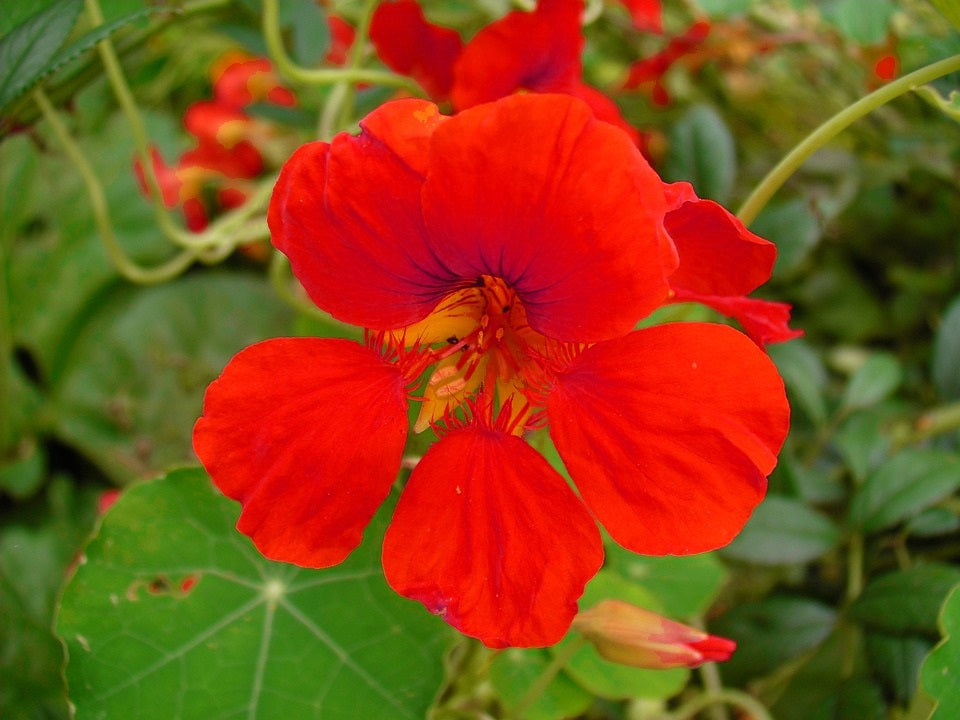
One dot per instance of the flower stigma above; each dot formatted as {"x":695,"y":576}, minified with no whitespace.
{"x":482,"y":344}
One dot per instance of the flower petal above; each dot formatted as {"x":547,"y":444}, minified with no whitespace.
{"x":492,"y":538}
{"x":604,"y":108}
{"x":563,"y":207}
{"x":646,"y":14}
{"x":669,"y":433}
{"x":537,"y":51}
{"x":409,"y":45}
{"x":361,"y":255}
{"x":307,"y":434}
{"x":718,"y":255}
{"x":765,"y":321}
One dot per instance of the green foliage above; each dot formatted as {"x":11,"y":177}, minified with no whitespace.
{"x":702,"y":152}
{"x":909,"y":482}
{"x":950,"y":10}
{"x":36,"y":550}
{"x":169,"y":603}
{"x":783,"y":531}
{"x":836,"y":591}
{"x":939,"y":674}
{"x":906,"y":601}
{"x":865,"y":24}
{"x":27,"y":51}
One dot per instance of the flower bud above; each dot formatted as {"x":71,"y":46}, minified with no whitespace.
{"x":629,"y":635}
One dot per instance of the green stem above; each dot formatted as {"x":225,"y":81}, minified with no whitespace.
{"x":321,"y":76}
{"x":6,"y":341}
{"x":739,"y":699}
{"x":855,"y":567}
{"x":822,"y":135}
{"x":101,"y":214}
{"x":355,"y":60}
{"x":121,"y":90}
{"x":540,"y":685}
{"x":714,"y":686}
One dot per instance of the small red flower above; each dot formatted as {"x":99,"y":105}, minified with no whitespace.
{"x":886,"y":67}
{"x":652,"y":69}
{"x":342,"y":36}
{"x":536,"y":51}
{"x":646,"y":14}
{"x":240,"y":80}
{"x":410,"y":45}
{"x":504,"y":254}
{"x":210,"y":176}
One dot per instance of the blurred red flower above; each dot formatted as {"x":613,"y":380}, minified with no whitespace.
{"x":211,"y":176}
{"x":646,"y":14}
{"x":511,"y":248}
{"x":410,"y":45}
{"x":536,"y":51}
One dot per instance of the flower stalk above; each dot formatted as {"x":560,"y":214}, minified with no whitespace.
{"x":767,"y":187}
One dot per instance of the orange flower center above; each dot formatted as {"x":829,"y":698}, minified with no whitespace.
{"x":480,"y":339}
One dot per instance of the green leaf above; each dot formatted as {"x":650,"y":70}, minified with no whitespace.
{"x":875,"y":380}
{"x":933,"y":522}
{"x":795,"y":230}
{"x":950,"y":10}
{"x":815,"y":484}
{"x":26,"y":51}
{"x":858,"y":699}
{"x":896,"y":661}
{"x":173,"y":613}
{"x":909,"y":482}
{"x":90,"y":39}
{"x":771,"y":631}
{"x":512,"y":673}
{"x":13,"y":14}
{"x":805,"y":376}
{"x":38,"y":542}
{"x":702,"y":153}
{"x":134,"y":382}
{"x":949,"y":105}
{"x":906,"y":601}
{"x":23,"y":476}
{"x":862,"y":441}
{"x":724,"y":8}
{"x":864,"y":23}
{"x":609,"y":680}
{"x":783,"y":531}
{"x":941,"y":670}
{"x":813,"y":682}
{"x":307,"y":21}
{"x":945,"y":365}
{"x":685,"y":584}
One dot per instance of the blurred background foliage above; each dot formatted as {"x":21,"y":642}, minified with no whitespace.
{"x":835,"y":588}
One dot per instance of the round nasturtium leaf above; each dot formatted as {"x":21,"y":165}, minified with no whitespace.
{"x":173,"y":614}
{"x":940,"y":671}
{"x":514,"y":671}
{"x":133,"y":382}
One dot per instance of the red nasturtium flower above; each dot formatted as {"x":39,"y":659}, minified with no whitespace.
{"x":500,"y":260}
{"x":213,"y":175}
{"x":410,"y":45}
{"x":536,"y":51}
